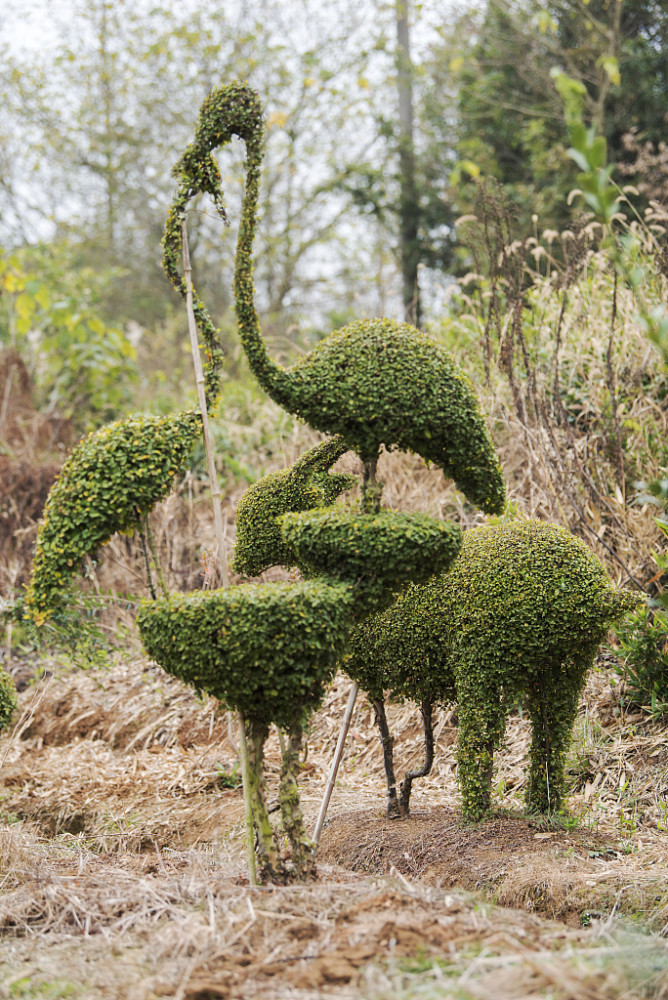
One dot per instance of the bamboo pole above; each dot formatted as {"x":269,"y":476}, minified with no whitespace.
{"x":208,"y":443}
{"x":338,"y":754}
{"x":220,"y":531}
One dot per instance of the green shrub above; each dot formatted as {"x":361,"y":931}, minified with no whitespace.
{"x":643,"y":649}
{"x":377,"y":553}
{"x":522,"y":612}
{"x":8,"y":700}
{"x":267,"y":650}
{"x":306,"y":484}
{"x":109,"y":481}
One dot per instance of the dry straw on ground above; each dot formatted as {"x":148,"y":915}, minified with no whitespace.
{"x":123,"y":874}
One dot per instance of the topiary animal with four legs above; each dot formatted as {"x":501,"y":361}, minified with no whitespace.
{"x":520,"y":614}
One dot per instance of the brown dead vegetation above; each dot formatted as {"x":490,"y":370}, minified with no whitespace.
{"x":122,"y":860}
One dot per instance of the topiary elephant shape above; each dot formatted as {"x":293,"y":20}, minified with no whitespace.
{"x":520,"y":615}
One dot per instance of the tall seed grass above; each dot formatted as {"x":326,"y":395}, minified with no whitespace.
{"x":575,"y":392}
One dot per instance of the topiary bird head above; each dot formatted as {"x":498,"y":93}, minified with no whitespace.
{"x":306,"y":484}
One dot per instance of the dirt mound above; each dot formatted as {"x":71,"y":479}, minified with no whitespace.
{"x":570,"y":875}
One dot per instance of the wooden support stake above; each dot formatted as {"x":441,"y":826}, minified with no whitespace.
{"x":220,"y":530}
{"x":208,"y":443}
{"x":338,"y":754}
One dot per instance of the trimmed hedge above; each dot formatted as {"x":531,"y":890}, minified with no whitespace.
{"x":306,"y":484}
{"x":377,"y":553}
{"x":521,"y":613}
{"x":110,"y":480}
{"x":268,"y":650}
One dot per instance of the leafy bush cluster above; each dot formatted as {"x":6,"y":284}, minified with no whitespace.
{"x":8,"y":700}
{"x":377,"y":554}
{"x":268,"y":650}
{"x":380,"y":382}
{"x":259,"y":542}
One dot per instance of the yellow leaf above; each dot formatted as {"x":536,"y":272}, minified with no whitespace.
{"x":25,"y":305}
{"x":456,"y":64}
{"x":470,"y":168}
{"x":276,"y":118}
{"x":12,"y":282}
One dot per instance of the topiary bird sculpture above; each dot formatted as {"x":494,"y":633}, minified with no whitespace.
{"x":306,"y":484}
{"x":374,"y":382}
{"x":520,"y":614}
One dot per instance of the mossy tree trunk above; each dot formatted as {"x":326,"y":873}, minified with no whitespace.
{"x":271,"y":866}
{"x":372,"y":488}
{"x":303,"y":848}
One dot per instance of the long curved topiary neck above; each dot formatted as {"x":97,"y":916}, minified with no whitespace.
{"x":271,"y":376}
{"x":231,"y":110}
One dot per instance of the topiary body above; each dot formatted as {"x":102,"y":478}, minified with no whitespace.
{"x":267,"y":650}
{"x":110,"y":480}
{"x":259,"y":543}
{"x":522,"y":612}
{"x":377,"y":554}
{"x":373,"y":382}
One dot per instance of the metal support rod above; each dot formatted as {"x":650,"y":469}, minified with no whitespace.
{"x":338,"y":754}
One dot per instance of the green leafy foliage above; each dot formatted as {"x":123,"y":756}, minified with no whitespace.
{"x":376,"y":553}
{"x":83,"y":366}
{"x":373,"y":382}
{"x":306,"y":484}
{"x":643,"y":638}
{"x":267,"y":650}
{"x":8,"y":700}
{"x":110,"y":480}
{"x":521,"y":613}
{"x":643,"y":648}
{"x":381,"y":382}
{"x":232,"y":110}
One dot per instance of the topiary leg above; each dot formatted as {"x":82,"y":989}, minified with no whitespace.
{"x":388,"y":758}
{"x":303,"y":848}
{"x":552,"y":704}
{"x":269,"y":857}
{"x":405,"y":792}
{"x":482,"y":722}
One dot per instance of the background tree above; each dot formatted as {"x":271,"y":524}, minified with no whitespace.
{"x":511,"y":124}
